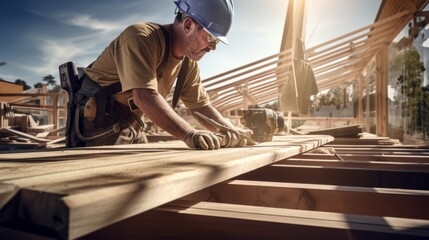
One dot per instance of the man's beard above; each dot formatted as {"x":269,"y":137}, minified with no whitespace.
{"x":192,"y":51}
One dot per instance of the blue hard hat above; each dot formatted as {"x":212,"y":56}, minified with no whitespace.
{"x":214,"y":15}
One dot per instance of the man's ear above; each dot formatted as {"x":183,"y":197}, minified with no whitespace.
{"x":188,"y":25}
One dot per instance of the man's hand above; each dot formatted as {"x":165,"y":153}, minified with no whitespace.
{"x":246,"y":137}
{"x":237,"y":137}
{"x":203,"y":140}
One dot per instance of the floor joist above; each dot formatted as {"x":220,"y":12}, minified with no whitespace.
{"x":329,"y":198}
{"x":319,"y":197}
{"x":208,"y":220}
{"x":418,"y":180}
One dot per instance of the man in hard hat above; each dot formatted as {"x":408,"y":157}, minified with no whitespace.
{"x":146,"y":59}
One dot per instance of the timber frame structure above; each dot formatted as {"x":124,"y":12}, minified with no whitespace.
{"x":341,"y":60}
{"x":295,"y":187}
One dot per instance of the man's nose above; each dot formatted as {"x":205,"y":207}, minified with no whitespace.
{"x":212,"y":46}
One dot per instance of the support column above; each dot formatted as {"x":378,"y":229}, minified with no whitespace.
{"x":381,"y":93}
{"x":360,"y":99}
{"x":368,"y":105}
{"x":294,"y":31}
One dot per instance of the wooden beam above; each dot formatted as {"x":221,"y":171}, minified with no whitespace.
{"x":393,"y":18}
{"x":278,"y":58}
{"x":352,"y":45}
{"x":382,"y":113}
{"x":360,"y":99}
{"x":369,"y":157}
{"x":391,"y":151}
{"x":207,"y":220}
{"x":356,"y":164}
{"x":367,"y":105}
{"x":352,"y":200}
{"x":407,"y":147}
{"x":418,"y":180}
{"x":256,"y":75}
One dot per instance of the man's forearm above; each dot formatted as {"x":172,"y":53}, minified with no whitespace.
{"x":157,"y":109}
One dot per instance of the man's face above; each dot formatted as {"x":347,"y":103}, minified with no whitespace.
{"x":199,"y":42}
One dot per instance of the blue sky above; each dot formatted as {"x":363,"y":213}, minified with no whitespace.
{"x":39,"y":35}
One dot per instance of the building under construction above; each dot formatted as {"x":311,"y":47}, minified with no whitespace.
{"x":350,"y":177}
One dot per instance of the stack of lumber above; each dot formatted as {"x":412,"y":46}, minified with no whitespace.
{"x":367,"y":139}
{"x":350,"y":135}
{"x":21,"y":131}
{"x":11,"y":139}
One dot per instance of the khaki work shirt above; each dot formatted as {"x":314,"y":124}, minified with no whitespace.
{"x":133,"y":58}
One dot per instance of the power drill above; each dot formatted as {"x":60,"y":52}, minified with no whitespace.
{"x":264,"y":123}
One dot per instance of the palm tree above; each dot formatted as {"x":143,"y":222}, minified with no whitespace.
{"x":49,"y":79}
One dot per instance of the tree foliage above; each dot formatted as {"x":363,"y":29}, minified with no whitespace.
{"x":23,"y":83}
{"x":335,"y":96}
{"x":416,"y":99}
{"x":50,"y":80}
{"x":38,"y":85}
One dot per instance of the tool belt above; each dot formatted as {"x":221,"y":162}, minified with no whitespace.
{"x":108,"y":110}
{"x":111,"y":117}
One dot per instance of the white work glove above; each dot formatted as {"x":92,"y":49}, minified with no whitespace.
{"x":201,"y":139}
{"x":237,"y":137}
{"x":246,"y":137}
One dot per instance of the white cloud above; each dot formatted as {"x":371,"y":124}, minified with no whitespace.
{"x":82,"y":49}
{"x":55,"y":51}
{"x":90,"y":22}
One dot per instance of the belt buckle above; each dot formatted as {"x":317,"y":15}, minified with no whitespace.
{"x":131,"y":104}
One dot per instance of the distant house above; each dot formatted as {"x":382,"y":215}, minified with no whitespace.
{"x":10,"y":87}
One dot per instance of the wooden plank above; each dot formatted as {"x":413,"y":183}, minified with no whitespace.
{"x":24,"y":135}
{"x":418,"y":180}
{"x":396,"y":147}
{"x":361,"y":141}
{"x":398,"y":166}
{"x":383,"y":151}
{"x":381,"y":92}
{"x":206,"y":220}
{"x":329,"y":198}
{"x":81,"y":190}
{"x":368,"y":157}
{"x":352,"y":130}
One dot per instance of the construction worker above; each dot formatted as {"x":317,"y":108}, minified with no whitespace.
{"x":146,"y":60}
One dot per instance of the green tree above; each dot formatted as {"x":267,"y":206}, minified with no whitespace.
{"x":50,"y":80}
{"x":38,"y":85}
{"x":416,"y":100}
{"x":22,"y":83}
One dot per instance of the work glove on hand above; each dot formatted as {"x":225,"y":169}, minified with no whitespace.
{"x":246,"y":137}
{"x":203,"y":140}
{"x":237,"y":137}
